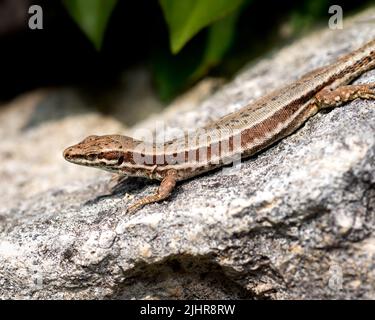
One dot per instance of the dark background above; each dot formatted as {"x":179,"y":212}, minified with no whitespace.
{"x":60,"y":54}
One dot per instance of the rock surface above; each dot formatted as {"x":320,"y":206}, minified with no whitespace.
{"x":296,"y":221}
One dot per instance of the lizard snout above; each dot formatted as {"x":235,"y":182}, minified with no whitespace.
{"x":68,"y":153}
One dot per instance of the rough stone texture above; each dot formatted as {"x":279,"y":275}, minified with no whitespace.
{"x":296,"y":221}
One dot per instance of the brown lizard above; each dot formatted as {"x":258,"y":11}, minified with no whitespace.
{"x":239,"y":134}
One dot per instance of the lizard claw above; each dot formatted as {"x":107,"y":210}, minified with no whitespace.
{"x":133,"y":208}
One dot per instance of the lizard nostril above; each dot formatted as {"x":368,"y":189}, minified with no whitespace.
{"x":66,"y":153}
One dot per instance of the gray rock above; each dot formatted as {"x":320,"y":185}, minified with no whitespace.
{"x":295,"y":221}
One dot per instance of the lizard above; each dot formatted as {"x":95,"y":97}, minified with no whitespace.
{"x":241,"y":134}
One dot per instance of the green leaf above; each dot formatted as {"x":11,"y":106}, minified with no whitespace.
{"x":91,"y":16}
{"x":220,"y":38}
{"x":171,"y":73}
{"x":304,"y":16}
{"x":185,"y":18}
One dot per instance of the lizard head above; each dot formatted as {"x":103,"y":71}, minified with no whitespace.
{"x":109,"y":152}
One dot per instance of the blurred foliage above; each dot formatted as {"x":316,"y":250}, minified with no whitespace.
{"x":219,"y":40}
{"x":91,"y":16}
{"x":172,"y":72}
{"x":309,"y":11}
{"x":186,"y":17}
{"x":204,"y":33}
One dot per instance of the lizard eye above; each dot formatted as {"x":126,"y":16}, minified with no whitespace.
{"x":91,"y":157}
{"x":120,"y":160}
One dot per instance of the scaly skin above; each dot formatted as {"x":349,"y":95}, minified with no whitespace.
{"x":239,"y":134}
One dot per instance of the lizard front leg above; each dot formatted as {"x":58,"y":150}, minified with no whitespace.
{"x":117,"y":179}
{"x":327,"y":98}
{"x":164,"y":190}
